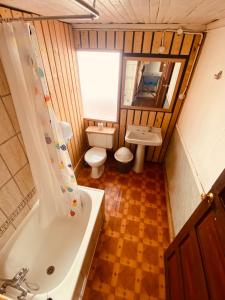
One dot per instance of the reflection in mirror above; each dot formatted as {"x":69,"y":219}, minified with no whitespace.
{"x":150,"y":83}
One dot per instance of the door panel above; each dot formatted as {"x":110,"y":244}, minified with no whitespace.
{"x":193,"y":275}
{"x":195,"y":260}
{"x":212,"y":255}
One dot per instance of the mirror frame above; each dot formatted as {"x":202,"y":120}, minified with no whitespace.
{"x":153,"y":58}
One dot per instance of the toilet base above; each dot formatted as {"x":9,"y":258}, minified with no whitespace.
{"x":96,"y":172}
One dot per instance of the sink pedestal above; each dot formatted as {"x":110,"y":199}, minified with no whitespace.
{"x":139,"y":159}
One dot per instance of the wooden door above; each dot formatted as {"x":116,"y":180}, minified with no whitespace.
{"x":195,"y":260}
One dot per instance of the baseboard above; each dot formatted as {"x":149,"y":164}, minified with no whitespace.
{"x":168,"y":206}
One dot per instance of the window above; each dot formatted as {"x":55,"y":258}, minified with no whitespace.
{"x":99,"y":80}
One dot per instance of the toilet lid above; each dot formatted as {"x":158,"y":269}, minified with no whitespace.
{"x":95,"y":154}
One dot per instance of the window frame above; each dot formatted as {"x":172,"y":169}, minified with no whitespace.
{"x":119,"y":82}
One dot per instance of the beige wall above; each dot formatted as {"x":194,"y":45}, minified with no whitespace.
{"x":202,"y":121}
{"x":184,"y":192}
{"x":195,"y":157}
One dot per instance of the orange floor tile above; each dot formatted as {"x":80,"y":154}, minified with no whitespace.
{"x":128,"y":263}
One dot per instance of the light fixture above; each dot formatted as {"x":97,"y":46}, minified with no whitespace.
{"x":180,"y":31}
{"x":162,"y":48}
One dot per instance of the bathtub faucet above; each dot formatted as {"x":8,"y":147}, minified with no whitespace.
{"x":16,"y":283}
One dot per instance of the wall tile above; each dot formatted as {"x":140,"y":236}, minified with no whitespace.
{"x":4,"y":87}
{"x":24,"y":180}
{"x":5,"y":237}
{"x":10,"y":197}
{"x":13,"y":155}
{"x":21,"y":141}
{"x":8,"y":102}
{"x":4,"y":173}
{"x":6,"y":128}
{"x":21,"y":216}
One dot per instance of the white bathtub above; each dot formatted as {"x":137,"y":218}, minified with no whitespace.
{"x":66,"y":244}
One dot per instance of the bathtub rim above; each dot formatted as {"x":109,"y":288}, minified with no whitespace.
{"x":97,"y":197}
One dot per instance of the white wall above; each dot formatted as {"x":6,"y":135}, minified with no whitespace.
{"x":202,"y":121}
{"x":200,"y":139}
{"x":183,"y":188}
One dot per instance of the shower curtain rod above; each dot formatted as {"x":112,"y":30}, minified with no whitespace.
{"x":94,"y":14}
{"x":63,"y":17}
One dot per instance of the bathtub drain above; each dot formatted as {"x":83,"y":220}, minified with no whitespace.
{"x":50,"y":270}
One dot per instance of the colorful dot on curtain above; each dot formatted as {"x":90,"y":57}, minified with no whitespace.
{"x":36,"y":90}
{"x":40,"y":72}
{"x":72,"y":213}
{"x":69,"y":189}
{"x":63,"y":147}
{"x":52,"y":160}
{"x":69,"y":165}
{"x":62,"y":189}
{"x":47,"y":139}
{"x":57,"y":146}
{"x":47,"y":98}
{"x":74,"y":203}
{"x":61,"y":165}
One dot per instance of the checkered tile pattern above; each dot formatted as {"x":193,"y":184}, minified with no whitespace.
{"x":128,"y":263}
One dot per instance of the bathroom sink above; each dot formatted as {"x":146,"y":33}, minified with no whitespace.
{"x":141,"y":135}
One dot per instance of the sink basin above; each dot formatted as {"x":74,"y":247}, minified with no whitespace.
{"x":141,"y":135}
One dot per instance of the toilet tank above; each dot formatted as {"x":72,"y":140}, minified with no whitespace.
{"x":102,"y":138}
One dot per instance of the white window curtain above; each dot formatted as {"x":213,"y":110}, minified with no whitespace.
{"x":46,"y":148}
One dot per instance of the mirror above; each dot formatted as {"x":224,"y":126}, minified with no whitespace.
{"x":151,"y":82}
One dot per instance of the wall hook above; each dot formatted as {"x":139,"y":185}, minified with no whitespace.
{"x":218,"y":75}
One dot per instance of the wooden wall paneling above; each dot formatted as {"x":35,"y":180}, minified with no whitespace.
{"x":72,"y":100}
{"x":137,"y":117}
{"x":61,"y":61}
{"x":138,"y":37}
{"x":110,"y":38}
{"x":177,"y":42}
{"x":75,"y":105}
{"x":170,"y":129}
{"x":93,"y":39}
{"x":128,"y":43}
{"x":156,"y":42}
{"x":52,"y":67}
{"x":147,"y":42}
{"x":122,"y":126}
{"x":130,"y":119}
{"x":158,"y":122}
{"x":119,"y":40}
{"x":186,"y":47}
{"x":77,"y":39}
{"x":101,"y":39}
{"x":164,"y":127}
{"x":5,"y":12}
{"x":144,"y":118}
{"x":84,"y":39}
{"x":190,"y":62}
{"x":167,"y":41}
{"x":116,"y":136}
{"x":77,"y":88}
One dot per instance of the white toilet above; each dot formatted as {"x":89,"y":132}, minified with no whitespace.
{"x":99,"y":139}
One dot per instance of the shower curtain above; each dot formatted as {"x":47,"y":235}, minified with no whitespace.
{"x":46,"y":148}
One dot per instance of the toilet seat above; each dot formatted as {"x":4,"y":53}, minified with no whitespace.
{"x":95,"y":156}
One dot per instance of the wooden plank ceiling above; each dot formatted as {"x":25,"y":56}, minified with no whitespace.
{"x":132,"y":11}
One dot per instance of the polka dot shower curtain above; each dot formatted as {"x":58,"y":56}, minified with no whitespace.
{"x":45,"y":145}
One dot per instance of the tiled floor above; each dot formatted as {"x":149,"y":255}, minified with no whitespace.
{"x":128,"y":263}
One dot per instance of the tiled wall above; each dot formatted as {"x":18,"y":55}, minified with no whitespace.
{"x":17,"y":191}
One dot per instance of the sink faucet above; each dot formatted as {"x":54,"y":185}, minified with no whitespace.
{"x":16,"y":283}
